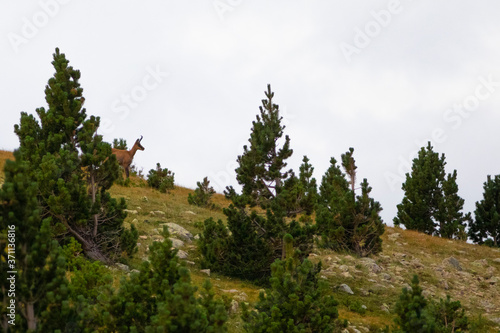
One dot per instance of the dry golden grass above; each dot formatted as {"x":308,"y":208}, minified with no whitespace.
{"x":4,"y":155}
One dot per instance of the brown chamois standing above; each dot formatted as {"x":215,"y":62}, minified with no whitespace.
{"x":125,"y":157}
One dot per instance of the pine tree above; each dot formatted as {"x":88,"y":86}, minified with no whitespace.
{"x":161,"y":298}
{"x":202,"y":194}
{"x":296,"y":302}
{"x":255,"y":239}
{"x":486,"y":227}
{"x":411,"y":311}
{"x":431,"y":203}
{"x":73,"y":167}
{"x":448,"y":316}
{"x":345,"y":221}
{"x":39,"y":287}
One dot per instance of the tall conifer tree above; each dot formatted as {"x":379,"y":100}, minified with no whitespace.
{"x":486,"y":226}
{"x":348,"y":222}
{"x":73,"y":167}
{"x":431,"y":203}
{"x":256,"y":237}
{"x":39,"y":284}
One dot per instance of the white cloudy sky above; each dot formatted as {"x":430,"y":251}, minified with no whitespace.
{"x":383,"y":77}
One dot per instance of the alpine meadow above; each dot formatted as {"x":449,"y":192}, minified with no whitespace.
{"x":91,"y":243}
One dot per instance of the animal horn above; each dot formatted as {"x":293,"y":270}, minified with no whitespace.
{"x":140,"y":139}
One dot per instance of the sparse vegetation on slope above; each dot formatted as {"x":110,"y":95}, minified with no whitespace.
{"x":468,"y":273}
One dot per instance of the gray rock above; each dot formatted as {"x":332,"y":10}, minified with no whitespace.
{"x":182,"y":254}
{"x":497,"y":260}
{"x":177,"y":243}
{"x":130,"y":211}
{"x":205,"y":271}
{"x":190,"y":212}
{"x":451,"y":261}
{"x":232,"y":291}
{"x":159,"y":212}
{"x":345,"y":288}
{"x":344,"y":268}
{"x":387,"y":277}
{"x":134,"y":271}
{"x":234,"y":307}
{"x":122,"y":267}
{"x":176,"y":229}
{"x":157,"y":238}
{"x":393,"y":236}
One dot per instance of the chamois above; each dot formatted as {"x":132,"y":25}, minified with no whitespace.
{"x":125,"y":157}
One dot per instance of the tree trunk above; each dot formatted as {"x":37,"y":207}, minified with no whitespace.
{"x":92,"y":251}
{"x":30,"y":316}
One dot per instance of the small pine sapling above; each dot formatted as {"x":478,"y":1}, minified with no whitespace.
{"x":202,"y":194}
{"x":161,"y":179}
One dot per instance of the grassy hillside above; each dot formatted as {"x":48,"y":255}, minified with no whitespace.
{"x":468,"y":273}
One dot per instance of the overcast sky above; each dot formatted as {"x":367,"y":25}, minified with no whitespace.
{"x":383,"y":77}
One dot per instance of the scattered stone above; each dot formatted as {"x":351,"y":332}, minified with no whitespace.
{"x":346,"y":275}
{"x":134,"y":271}
{"x":234,"y":307}
{"x":384,"y":307}
{"x":177,"y":243}
{"x":408,"y":287}
{"x":130,"y":211}
{"x":190,"y":262}
{"x":182,"y":254}
{"x":138,"y":207}
{"x":152,"y":213}
{"x":393,"y":236}
{"x":205,"y":271}
{"x":157,"y":238}
{"x":197,"y":236}
{"x":136,"y":221}
{"x":345,"y":288}
{"x":453,"y":262}
{"x":364,"y":307}
{"x":344,"y":268}
{"x":190,"y":212}
{"x":122,"y":267}
{"x":493,"y":280}
{"x":159,"y":212}
{"x":497,"y":260}
{"x":353,"y":329}
{"x":445,"y":285}
{"x":242,"y":297}
{"x":387,"y":277}
{"x":176,"y":229}
{"x":363,"y":292}
{"x":155,"y":231}
{"x":480,"y":263}
{"x":143,"y":237}
{"x":139,"y":244}
{"x":232,"y":291}
{"x":145,"y":199}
